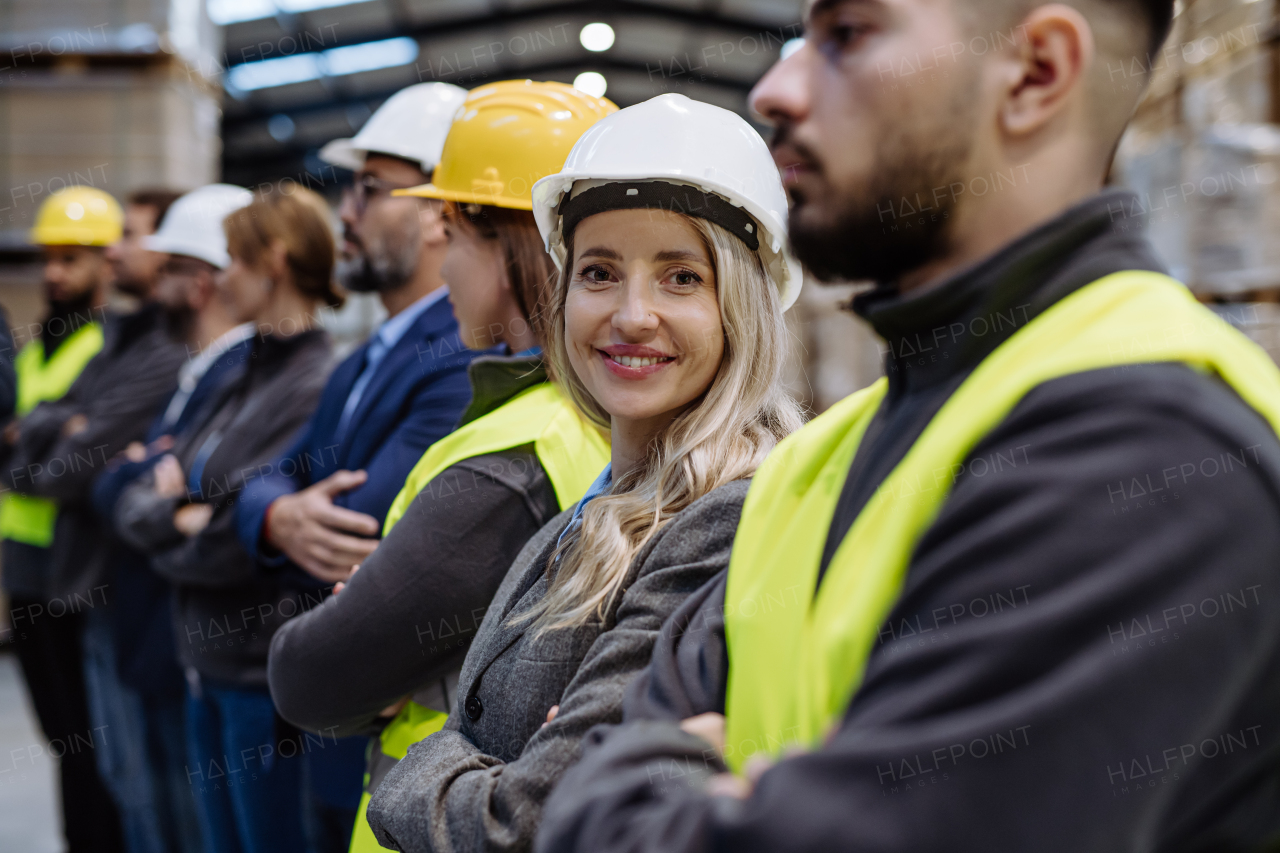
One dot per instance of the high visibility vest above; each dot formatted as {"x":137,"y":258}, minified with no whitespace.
{"x":25,"y":518}
{"x":796,"y":658}
{"x":571,"y":451}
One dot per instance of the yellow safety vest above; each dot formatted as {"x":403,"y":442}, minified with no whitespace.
{"x":24,"y":518}
{"x":796,"y":658}
{"x":570,"y":450}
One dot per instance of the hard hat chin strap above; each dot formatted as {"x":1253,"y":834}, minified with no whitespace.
{"x":659,"y":195}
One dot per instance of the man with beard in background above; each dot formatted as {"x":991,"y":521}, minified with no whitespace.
{"x":148,"y":743}
{"x":88,"y":386}
{"x":321,"y":506}
{"x":1018,"y":594}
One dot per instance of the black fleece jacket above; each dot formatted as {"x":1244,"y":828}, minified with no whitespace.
{"x":227,"y":606}
{"x":1086,"y":649}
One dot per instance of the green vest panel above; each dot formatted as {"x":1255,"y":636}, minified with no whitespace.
{"x":796,"y":658}
{"x":24,"y":518}
{"x":571,"y":451}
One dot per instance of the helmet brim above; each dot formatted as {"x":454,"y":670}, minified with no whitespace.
{"x":433,"y":191}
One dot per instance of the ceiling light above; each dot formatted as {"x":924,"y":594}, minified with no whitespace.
{"x":596,"y":37}
{"x":281,"y":127}
{"x":336,"y":62}
{"x":369,"y":56}
{"x":274,"y":72}
{"x":223,"y":12}
{"x":591,"y":82}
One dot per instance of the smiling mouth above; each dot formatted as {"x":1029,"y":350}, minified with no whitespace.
{"x":634,"y":366}
{"x":636,"y":361}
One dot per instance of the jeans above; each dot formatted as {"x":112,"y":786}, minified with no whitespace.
{"x":247,"y":787}
{"x":333,"y":780}
{"x":166,"y":727}
{"x":124,"y":759}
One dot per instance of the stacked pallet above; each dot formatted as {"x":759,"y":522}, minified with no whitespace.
{"x":116,"y":94}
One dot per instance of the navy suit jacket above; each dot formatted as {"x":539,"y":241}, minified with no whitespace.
{"x":414,"y":399}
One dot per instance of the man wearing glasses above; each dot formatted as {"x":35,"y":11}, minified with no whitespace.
{"x":322,"y":505}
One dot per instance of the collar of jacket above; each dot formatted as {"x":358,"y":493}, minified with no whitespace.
{"x":933,"y":336}
{"x":121,"y":330}
{"x":495,"y":379}
{"x":269,"y":350}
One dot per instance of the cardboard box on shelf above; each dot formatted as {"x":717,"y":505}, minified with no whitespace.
{"x":117,"y":130}
{"x":1211,"y":203}
{"x":1235,"y":171}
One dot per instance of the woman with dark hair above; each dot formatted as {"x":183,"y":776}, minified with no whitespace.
{"x":242,"y":763}
{"x":383,"y":655}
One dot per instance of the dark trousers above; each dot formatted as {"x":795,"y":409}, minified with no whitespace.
{"x":48,"y":647}
{"x":246,"y":782}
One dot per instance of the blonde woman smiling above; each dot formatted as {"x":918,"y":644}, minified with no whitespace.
{"x":666,"y":327}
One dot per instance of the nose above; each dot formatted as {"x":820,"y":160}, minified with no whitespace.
{"x":783,"y":94}
{"x":347,"y":208}
{"x":635,"y":317}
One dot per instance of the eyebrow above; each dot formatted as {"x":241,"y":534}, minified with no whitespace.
{"x":600,"y":252}
{"x":678,"y":255}
{"x":824,"y":7}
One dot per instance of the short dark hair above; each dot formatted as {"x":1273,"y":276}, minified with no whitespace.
{"x":156,"y":197}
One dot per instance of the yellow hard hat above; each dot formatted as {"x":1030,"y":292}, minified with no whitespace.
{"x":506,"y":137}
{"x":78,"y":216}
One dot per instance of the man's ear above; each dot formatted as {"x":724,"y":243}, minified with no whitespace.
{"x":1049,"y":70}
{"x":203,"y":288}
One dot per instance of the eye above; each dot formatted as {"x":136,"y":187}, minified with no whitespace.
{"x":686,"y":278}
{"x":595,"y":273}
{"x":837,"y":33}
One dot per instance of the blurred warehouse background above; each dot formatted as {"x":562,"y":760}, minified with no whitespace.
{"x":128,"y":93}
{"x":125,"y":94}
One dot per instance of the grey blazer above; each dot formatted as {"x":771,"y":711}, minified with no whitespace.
{"x":479,"y":783}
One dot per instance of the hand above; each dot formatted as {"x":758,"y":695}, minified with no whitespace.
{"x":74,"y":425}
{"x":341,"y":585}
{"x":170,"y":481}
{"x":740,"y":787}
{"x":13,"y":431}
{"x":551,"y":715}
{"x":314,"y":533}
{"x":136,"y":451}
{"x":163,"y":444}
{"x":190,"y":519}
{"x":709,"y":727}
{"x":393,"y":709}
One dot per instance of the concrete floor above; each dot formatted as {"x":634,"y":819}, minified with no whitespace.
{"x":29,"y":813}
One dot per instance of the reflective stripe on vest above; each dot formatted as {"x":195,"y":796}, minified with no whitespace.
{"x":801,"y":655}
{"x":570,"y":450}
{"x":24,"y":518}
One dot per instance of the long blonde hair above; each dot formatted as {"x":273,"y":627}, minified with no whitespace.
{"x":723,"y":437}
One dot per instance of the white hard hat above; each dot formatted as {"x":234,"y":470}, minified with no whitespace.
{"x":672,"y":140}
{"x":411,"y":124}
{"x":193,"y":224}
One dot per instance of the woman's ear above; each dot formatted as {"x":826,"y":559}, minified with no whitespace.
{"x":277,"y":260}
{"x":431,"y":218}
{"x":1049,"y":69}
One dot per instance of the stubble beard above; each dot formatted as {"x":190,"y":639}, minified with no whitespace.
{"x":897,"y":219}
